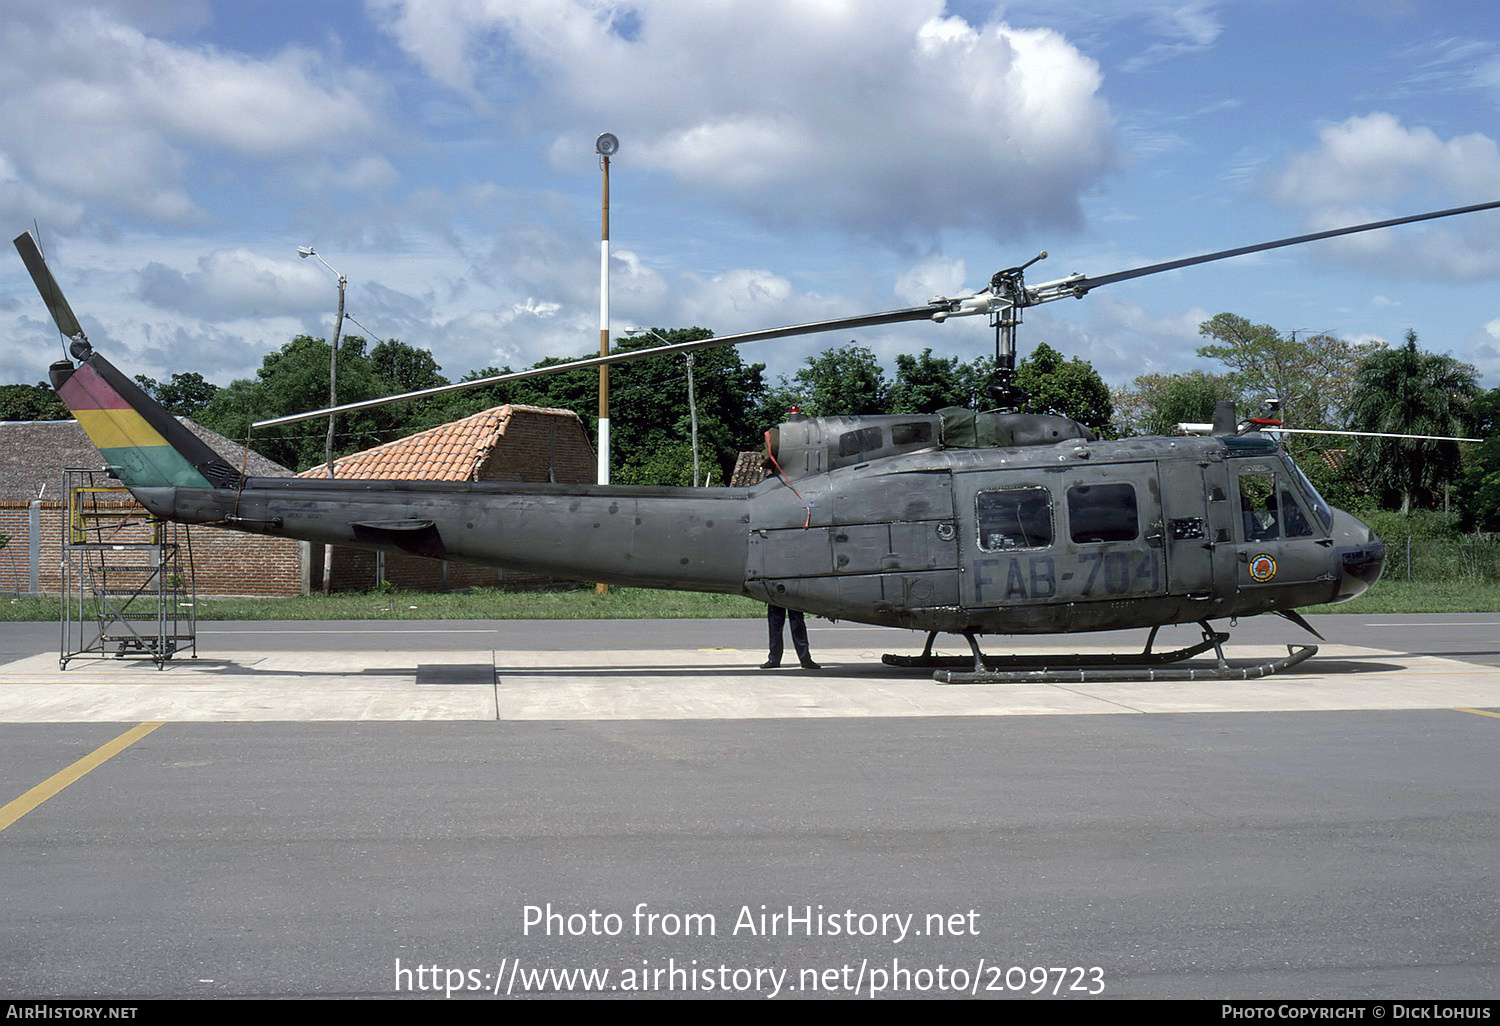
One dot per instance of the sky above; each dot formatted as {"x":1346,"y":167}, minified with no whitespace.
{"x":780,"y":161}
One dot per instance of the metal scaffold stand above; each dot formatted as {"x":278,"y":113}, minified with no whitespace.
{"x":127,"y":576}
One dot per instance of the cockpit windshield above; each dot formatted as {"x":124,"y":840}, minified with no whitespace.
{"x":1320,"y":506}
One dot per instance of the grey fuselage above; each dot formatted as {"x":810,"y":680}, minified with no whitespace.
{"x":1071,"y":535}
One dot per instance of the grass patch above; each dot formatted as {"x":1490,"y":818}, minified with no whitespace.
{"x":1398,"y":596}
{"x":1394,"y":596}
{"x":480,"y":604}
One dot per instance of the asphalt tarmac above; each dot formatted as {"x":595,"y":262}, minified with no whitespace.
{"x":618,"y":807}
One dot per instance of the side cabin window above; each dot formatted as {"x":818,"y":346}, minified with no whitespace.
{"x":1268,"y":508}
{"x":852,"y":443}
{"x":1102,"y":513}
{"x":1014,"y":518}
{"x":916,"y":433}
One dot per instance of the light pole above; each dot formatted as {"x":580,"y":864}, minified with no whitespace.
{"x":333,"y":360}
{"x":692,"y":396}
{"x":333,"y":390}
{"x":606,"y":146}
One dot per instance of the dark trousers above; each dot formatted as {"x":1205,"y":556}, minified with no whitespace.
{"x":776,"y":616}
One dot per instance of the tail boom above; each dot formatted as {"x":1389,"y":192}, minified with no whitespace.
{"x":678,"y":538}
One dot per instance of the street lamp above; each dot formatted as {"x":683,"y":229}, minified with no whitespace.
{"x":606,"y":146}
{"x":333,"y":360}
{"x":692,"y":396}
{"x":333,"y":391}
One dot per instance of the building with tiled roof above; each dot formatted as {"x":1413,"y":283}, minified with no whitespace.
{"x":749,"y":469}
{"x":505,"y":443}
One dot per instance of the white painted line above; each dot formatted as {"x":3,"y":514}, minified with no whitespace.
{"x":440,"y":630}
{"x":1443,"y":623}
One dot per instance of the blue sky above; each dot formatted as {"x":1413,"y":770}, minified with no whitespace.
{"x":781,"y":161}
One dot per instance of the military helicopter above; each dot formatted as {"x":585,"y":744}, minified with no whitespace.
{"x":959,"y":522}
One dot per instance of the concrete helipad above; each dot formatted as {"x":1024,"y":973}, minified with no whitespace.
{"x":682,"y":684}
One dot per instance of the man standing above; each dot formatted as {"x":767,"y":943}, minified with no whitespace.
{"x":776,"y":617}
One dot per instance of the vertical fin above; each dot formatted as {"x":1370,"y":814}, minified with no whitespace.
{"x":143,"y":444}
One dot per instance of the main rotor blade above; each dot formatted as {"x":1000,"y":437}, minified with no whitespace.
{"x":47,"y":285}
{"x":1079,"y":286}
{"x":913,"y":313}
{"x":1366,"y":434}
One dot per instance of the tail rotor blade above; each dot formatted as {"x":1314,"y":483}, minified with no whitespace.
{"x":47,"y":285}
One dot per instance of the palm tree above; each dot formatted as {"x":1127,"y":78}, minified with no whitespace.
{"x":1409,"y":391}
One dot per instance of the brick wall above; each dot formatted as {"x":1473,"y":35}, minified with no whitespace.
{"x":224,"y":562}
{"x":535,"y":442}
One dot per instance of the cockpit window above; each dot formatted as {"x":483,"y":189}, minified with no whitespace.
{"x":1258,"y":506}
{"x":1269,"y":506}
{"x":1293,"y":523}
{"x":1320,"y":506}
{"x":1014,"y":518}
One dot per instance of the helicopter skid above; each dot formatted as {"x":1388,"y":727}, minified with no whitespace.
{"x":1117,"y":672}
{"x":1146,"y":658}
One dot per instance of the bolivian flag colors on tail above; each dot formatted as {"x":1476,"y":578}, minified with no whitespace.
{"x":131,"y":436}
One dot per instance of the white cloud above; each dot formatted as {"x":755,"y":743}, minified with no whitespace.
{"x":1185,"y":28}
{"x":937,"y":275}
{"x":1122,"y":339}
{"x":1373,"y":167}
{"x":100,"y":113}
{"x":1484,"y":349}
{"x":231,"y":284}
{"x":1375,"y":158}
{"x":884,"y":117}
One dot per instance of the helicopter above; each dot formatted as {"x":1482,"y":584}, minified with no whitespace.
{"x":959,"y":522}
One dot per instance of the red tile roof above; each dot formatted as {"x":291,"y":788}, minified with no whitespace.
{"x":449,"y":452}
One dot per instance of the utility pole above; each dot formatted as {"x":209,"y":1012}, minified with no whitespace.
{"x":333,"y":392}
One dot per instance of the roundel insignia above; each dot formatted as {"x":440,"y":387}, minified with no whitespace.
{"x":1262,"y":568}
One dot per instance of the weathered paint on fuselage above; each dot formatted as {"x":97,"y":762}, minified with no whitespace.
{"x":1076,"y":536}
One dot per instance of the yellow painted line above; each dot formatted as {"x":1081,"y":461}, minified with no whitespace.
{"x":14,"y":810}
{"x":1480,"y":712}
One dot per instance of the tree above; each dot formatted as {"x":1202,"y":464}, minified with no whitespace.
{"x":183,"y":395}
{"x":1154,"y":404}
{"x":650,"y":430}
{"x":651,"y":421}
{"x":1313,"y":376}
{"x":926,"y":384}
{"x":31,"y":402}
{"x":846,"y":381}
{"x":294,"y":379}
{"x":1479,"y":485}
{"x":1070,"y":388}
{"x":406,"y":368}
{"x":1407,"y":390}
